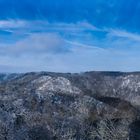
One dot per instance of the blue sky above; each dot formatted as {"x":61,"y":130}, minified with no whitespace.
{"x":69,"y":35}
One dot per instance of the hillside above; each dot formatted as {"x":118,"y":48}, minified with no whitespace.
{"x":65,"y":106}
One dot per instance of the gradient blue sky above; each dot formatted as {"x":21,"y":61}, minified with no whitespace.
{"x":69,"y":35}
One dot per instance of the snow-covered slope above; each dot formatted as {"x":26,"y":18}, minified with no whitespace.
{"x":58,"y":106}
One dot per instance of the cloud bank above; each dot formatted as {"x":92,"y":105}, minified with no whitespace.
{"x":67,"y":48}
{"x":69,"y":36}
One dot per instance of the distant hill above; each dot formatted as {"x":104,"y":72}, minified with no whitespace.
{"x":65,"y":106}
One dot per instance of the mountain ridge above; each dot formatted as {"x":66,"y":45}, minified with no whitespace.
{"x":65,"y":106}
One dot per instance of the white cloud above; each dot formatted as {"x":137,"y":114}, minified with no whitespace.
{"x":50,"y":50}
{"x":81,"y":46}
{"x":12,"y":23}
{"x":124,"y":34}
{"x":44,"y":25}
{"x":36,"y":44}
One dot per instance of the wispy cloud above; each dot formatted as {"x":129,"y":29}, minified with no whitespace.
{"x":69,"y":36}
{"x":80,"y":46}
{"x":45,"y":25}
{"x":12,"y":23}
{"x":49,"y":46}
{"x":37,"y":43}
{"x":124,"y":34}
